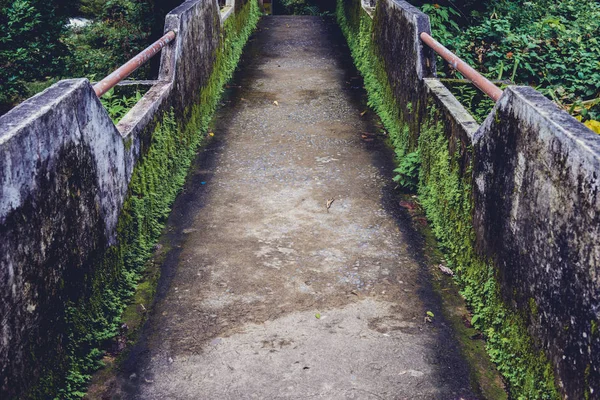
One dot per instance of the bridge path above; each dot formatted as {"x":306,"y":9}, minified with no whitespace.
{"x":257,"y":258}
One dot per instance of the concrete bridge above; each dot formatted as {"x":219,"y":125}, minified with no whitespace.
{"x":290,"y":266}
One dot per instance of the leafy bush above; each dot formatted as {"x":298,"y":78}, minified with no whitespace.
{"x":442,"y":19}
{"x":121,"y":29}
{"x":37,"y":49}
{"x":29,"y":45}
{"x":407,"y":173}
{"x":117,"y":106}
{"x":551,"y":45}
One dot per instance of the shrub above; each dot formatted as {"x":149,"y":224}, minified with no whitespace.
{"x":29,"y":45}
{"x":304,"y":7}
{"x":407,"y":173}
{"x":120,"y":30}
{"x":551,"y":45}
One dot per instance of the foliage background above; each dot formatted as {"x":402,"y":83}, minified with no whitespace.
{"x":551,"y":45}
{"x":304,"y":7}
{"x":37,"y":48}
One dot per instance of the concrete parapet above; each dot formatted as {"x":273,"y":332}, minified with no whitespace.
{"x":62,"y":183}
{"x":514,"y":203}
{"x":65,"y":182}
{"x":396,"y":29}
{"x":537,"y":218}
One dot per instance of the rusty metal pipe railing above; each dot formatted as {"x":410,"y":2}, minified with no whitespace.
{"x":478,"y":80}
{"x":130,"y":66}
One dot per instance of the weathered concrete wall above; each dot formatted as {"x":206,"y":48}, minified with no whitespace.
{"x":406,"y":60}
{"x":515,"y":209}
{"x":537,"y":218}
{"x":65,"y":173}
{"x":393,"y":62}
{"x":62,"y":182}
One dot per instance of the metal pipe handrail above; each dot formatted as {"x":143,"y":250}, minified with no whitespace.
{"x":478,"y":80}
{"x":130,"y":66}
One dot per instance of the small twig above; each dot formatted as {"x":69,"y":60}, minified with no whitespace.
{"x":329,"y":203}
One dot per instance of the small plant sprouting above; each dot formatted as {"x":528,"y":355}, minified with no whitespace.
{"x":116,"y":106}
{"x":407,"y":173}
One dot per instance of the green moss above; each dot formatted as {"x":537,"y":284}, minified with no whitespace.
{"x":160,"y":173}
{"x":586,"y":375}
{"x":445,"y":192}
{"x":533,"y":307}
{"x":486,"y":381}
{"x":357,"y":27}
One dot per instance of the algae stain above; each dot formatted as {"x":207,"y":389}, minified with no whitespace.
{"x":533,"y":308}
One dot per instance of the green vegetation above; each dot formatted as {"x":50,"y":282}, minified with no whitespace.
{"x":304,"y":7}
{"x":407,"y":173}
{"x":118,"y":106}
{"x":118,"y":31}
{"x":37,"y":48}
{"x":548,"y":44}
{"x":444,"y":189}
{"x":28,"y":45}
{"x":357,"y":26}
{"x":93,"y":321}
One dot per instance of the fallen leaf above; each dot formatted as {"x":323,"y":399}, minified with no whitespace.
{"x":363,"y":113}
{"x":446,"y":270}
{"x":276,"y":103}
{"x":329,"y":203}
{"x":318,"y":316}
{"x":430,"y":314}
{"x":467,"y":321}
{"x":593,"y":125}
{"x":211,"y":134}
{"x":421,"y":220}
{"x":408,"y":205}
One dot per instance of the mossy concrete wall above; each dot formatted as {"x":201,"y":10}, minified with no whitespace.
{"x":393,"y":62}
{"x":523,"y":240}
{"x":82,"y":200}
{"x":537,"y":219}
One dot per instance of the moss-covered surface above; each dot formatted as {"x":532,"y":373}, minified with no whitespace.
{"x":94,"y":320}
{"x":485,"y":379}
{"x":445,"y":193}
{"x":357,"y":27}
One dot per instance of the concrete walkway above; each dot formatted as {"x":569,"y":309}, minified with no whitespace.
{"x":266,"y":294}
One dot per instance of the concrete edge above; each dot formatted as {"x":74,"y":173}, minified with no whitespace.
{"x":425,"y":56}
{"x":458,"y":112}
{"x":142,"y":113}
{"x":93,"y":127}
{"x":34,"y":107}
{"x":368,"y":9}
{"x":225,"y":13}
{"x":555,"y":119}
